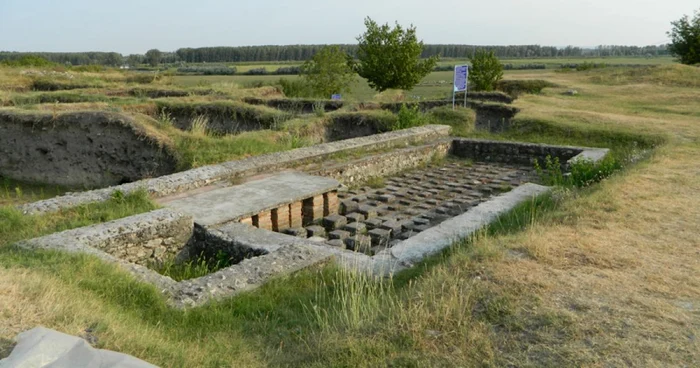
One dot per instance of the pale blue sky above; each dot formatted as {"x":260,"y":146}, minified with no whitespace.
{"x":134,"y":26}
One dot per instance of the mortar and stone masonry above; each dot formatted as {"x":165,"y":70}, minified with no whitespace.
{"x":443,"y":202}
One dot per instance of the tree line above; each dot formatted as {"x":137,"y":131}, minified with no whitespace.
{"x":305,"y":52}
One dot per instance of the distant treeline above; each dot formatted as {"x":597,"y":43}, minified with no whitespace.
{"x":304,"y":52}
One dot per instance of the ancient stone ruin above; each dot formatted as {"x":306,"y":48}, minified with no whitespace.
{"x":378,"y":204}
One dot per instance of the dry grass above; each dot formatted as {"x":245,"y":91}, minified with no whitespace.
{"x":607,"y":278}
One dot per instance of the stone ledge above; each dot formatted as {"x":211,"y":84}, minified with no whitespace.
{"x":524,"y":153}
{"x":447,"y":233}
{"x":207,"y":175}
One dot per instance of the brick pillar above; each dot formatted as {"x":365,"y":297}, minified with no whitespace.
{"x":330,"y":203}
{"x":247,"y":220}
{"x":295,"y":215}
{"x":313,"y":209}
{"x":265,"y":220}
{"x":280,"y":218}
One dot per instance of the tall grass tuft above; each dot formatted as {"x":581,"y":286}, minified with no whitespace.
{"x":199,"y":125}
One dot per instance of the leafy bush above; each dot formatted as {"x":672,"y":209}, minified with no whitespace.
{"x":517,"y":87}
{"x":524,"y":66}
{"x":288,"y":70}
{"x":328,"y":72}
{"x":582,"y":173}
{"x":295,"y":88}
{"x":408,"y":117}
{"x":257,"y":71}
{"x":207,"y":70}
{"x":586,"y":172}
{"x":28,"y":61}
{"x":485,"y":72}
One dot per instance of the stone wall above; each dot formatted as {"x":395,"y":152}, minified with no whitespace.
{"x":494,"y":118}
{"x":140,"y":239}
{"x":208,"y":175}
{"x":359,"y":171}
{"x":80,"y":150}
{"x":511,"y":152}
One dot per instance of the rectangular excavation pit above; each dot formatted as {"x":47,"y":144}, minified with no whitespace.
{"x":441,"y":202}
{"x":152,"y":240}
{"x":372,"y":219}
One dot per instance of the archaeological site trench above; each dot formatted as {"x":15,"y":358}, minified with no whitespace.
{"x":379,"y":204}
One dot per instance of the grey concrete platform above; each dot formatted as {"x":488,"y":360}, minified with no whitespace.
{"x":232,"y":203}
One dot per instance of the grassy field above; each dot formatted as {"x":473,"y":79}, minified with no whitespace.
{"x":603,"y":276}
{"x":599,"y":276}
{"x":436,"y":85}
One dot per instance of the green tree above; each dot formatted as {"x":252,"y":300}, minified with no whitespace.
{"x":328,"y":72}
{"x":391,"y":58}
{"x":153,"y":57}
{"x":685,"y":39}
{"x":485,"y":72}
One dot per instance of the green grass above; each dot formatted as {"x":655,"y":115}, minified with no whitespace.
{"x":14,"y":225}
{"x":15,"y":192}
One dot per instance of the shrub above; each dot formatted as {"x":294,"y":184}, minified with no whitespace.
{"x":485,"y":72}
{"x":295,"y":88}
{"x":257,"y":71}
{"x":328,"y":72}
{"x":582,"y":173}
{"x":207,"y":70}
{"x":28,"y":61}
{"x":408,"y":117}
{"x":586,"y":172}
{"x":517,"y":87}
{"x":288,"y":70}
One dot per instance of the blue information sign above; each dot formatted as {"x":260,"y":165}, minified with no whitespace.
{"x":336,"y":97}
{"x":461,"y":76}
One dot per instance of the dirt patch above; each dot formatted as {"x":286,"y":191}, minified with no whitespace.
{"x":80,"y":150}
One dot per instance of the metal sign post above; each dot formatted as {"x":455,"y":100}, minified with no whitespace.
{"x":460,"y":83}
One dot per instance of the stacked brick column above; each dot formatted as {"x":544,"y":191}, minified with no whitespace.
{"x":330,"y":203}
{"x":263,"y":220}
{"x":313,"y":209}
{"x":281,"y":218}
{"x":295,"y":215}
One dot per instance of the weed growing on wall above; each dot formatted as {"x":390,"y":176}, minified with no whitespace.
{"x":586,"y":172}
{"x":551,"y":173}
{"x":582,"y":173}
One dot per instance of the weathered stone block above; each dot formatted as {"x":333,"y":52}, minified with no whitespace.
{"x":347,"y":207}
{"x":368,"y":211}
{"x":373,"y":223}
{"x":336,"y":243}
{"x":380,"y":236}
{"x":355,"y":217}
{"x":386,"y":198}
{"x":339,"y":234}
{"x":299,"y":232}
{"x":334,"y":222}
{"x":355,"y":228}
{"x":393,"y":226}
{"x":315,"y":230}
{"x":360,"y":243}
